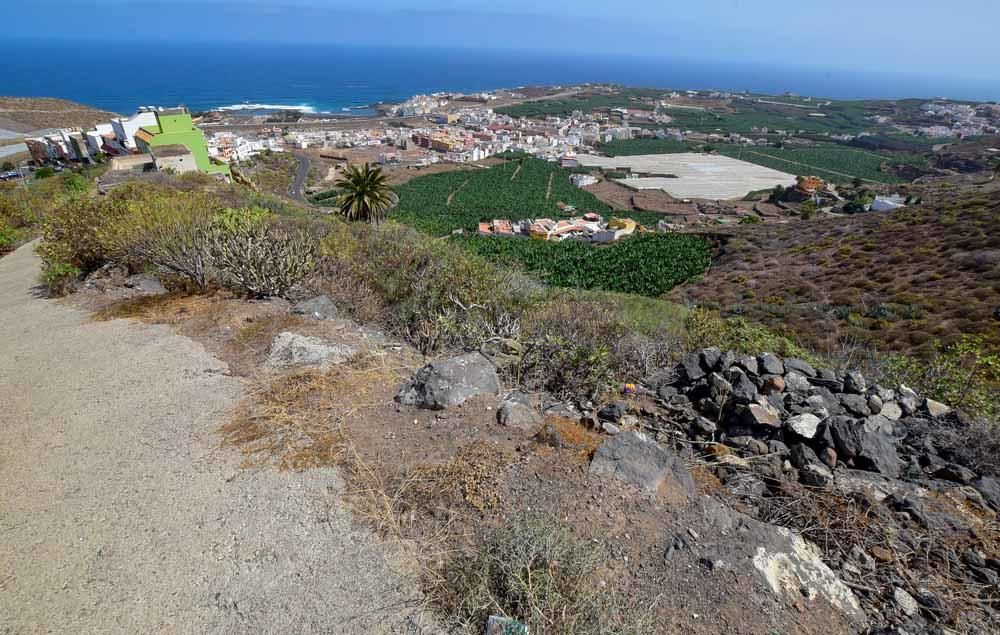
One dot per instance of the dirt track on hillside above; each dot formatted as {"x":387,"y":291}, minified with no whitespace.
{"x":121,"y":514}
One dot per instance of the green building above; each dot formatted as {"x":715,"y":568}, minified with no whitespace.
{"x":173,"y":127}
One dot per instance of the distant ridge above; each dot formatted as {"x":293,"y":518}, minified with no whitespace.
{"x":27,"y":114}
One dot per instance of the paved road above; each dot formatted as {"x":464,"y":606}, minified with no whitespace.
{"x":301,"y":174}
{"x":12,"y":149}
{"x":121,"y":514}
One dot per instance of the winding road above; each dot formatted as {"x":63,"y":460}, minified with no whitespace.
{"x":120,"y":513}
{"x":301,"y":174}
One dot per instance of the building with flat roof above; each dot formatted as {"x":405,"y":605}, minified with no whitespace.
{"x":175,"y":127}
{"x":174,"y":158}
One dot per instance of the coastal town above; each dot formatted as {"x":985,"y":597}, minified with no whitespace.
{"x":690,"y":157}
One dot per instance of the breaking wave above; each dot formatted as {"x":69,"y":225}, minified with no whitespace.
{"x":302,"y":108}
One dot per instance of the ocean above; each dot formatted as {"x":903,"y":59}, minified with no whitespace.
{"x":342,"y":80}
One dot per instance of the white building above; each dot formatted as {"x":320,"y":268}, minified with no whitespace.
{"x":126,"y":127}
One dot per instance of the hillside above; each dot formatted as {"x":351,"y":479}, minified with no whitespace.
{"x":898,"y":281}
{"x":27,"y":114}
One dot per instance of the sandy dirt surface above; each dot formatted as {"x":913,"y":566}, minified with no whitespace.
{"x":121,"y":514}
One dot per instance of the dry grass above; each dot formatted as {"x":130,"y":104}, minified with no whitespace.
{"x":170,"y":308}
{"x":297,"y":420}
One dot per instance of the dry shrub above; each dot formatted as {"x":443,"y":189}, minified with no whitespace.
{"x":259,"y":258}
{"x":578,"y":347}
{"x":428,"y":291}
{"x":167,"y":233}
{"x":534,"y":570}
{"x":472,"y":476}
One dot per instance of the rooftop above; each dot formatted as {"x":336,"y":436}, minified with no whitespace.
{"x":170,"y":150}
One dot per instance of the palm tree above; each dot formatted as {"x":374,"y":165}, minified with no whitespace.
{"x":365,"y":194}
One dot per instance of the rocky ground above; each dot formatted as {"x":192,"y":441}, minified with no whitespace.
{"x":747,"y":494}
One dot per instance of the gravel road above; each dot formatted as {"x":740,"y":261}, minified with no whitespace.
{"x":121,"y":514}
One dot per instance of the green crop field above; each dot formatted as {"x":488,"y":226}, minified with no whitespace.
{"x":833,"y":163}
{"x":626,"y":98}
{"x":627,"y":147}
{"x":477,"y":195}
{"x":648,"y":264}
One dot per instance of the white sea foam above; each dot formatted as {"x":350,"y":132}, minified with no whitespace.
{"x":302,"y":108}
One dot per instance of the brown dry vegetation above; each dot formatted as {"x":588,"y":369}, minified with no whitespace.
{"x":900,"y":281}
{"x":26,"y":114}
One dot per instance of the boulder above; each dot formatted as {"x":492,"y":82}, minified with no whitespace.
{"x":891,"y":410}
{"x":642,"y":462}
{"x":936,"y":408}
{"x":516,"y":411}
{"x":720,"y":389}
{"x":854,"y":382}
{"x":743,"y":388}
{"x":989,"y":488}
{"x":867,"y":443}
{"x":292,"y":349}
{"x":906,"y":603}
{"x":773,"y":385}
{"x":142,"y":284}
{"x":748,"y":364}
{"x":857,"y":405}
{"x":796,"y":382}
{"x":450,"y":382}
{"x":956,"y":473}
{"x":799,"y":366}
{"x":812,"y":471}
{"x":703,"y":426}
{"x":613,"y":412}
{"x":319,"y":308}
{"x":763,"y":415}
{"x":804,"y":425}
{"x":770,"y":364}
{"x":908,"y":400}
{"x":792,"y":567}
{"x":710,"y":358}
{"x":691,"y":367}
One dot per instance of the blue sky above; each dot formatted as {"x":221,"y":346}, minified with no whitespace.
{"x":922,"y":37}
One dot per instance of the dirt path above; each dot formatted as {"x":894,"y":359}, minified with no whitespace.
{"x":457,"y":190}
{"x":517,"y":171}
{"x":121,"y":514}
{"x":548,"y":192}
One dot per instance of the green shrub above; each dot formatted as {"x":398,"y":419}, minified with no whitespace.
{"x":72,"y":238}
{"x":965,"y":375}
{"x":44,"y":173}
{"x":426,"y":290}
{"x":168,"y":233}
{"x":705,"y":328}
{"x":8,"y":237}
{"x":257,"y":257}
